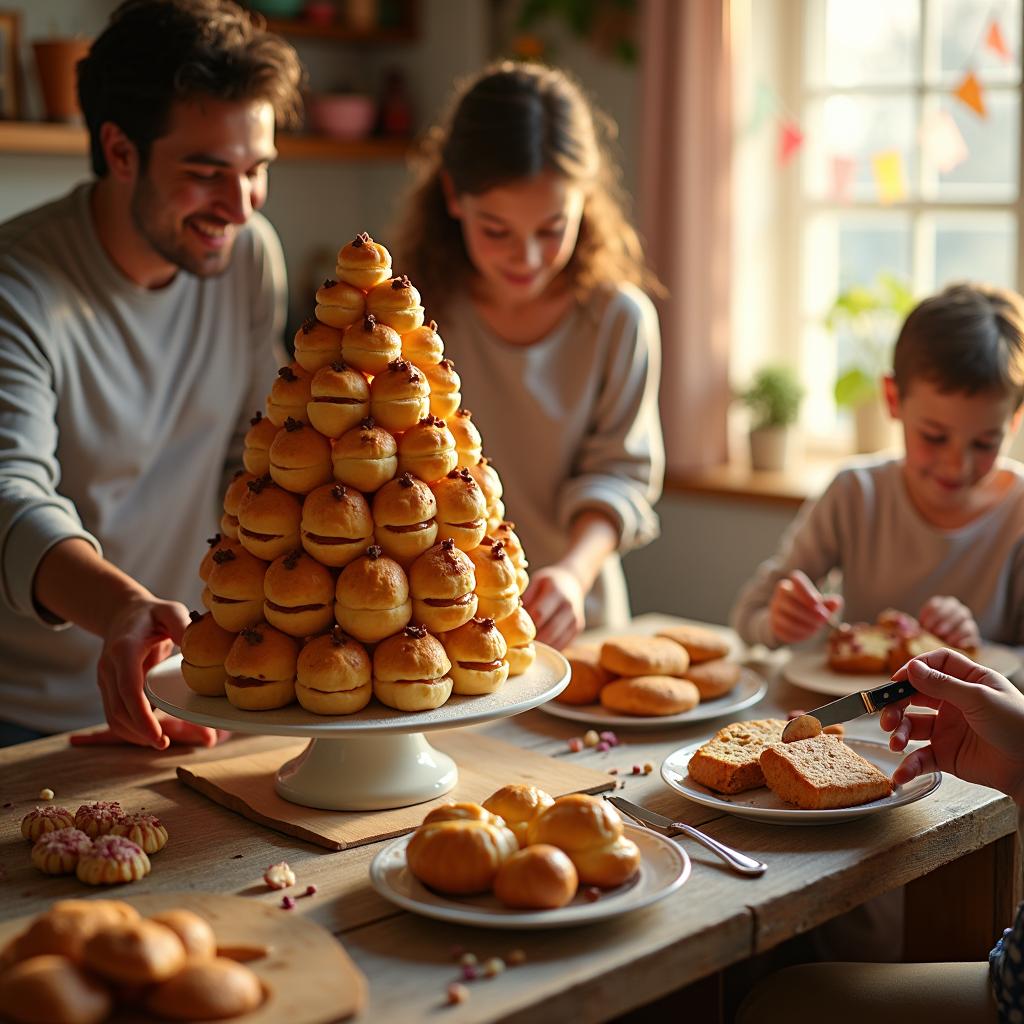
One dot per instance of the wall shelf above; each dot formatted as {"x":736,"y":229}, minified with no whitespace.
{"x":296,"y":29}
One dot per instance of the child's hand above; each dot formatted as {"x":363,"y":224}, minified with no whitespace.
{"x":978,"y":733}
{"x":950,"y":620}
{"x":798,"y":609}
{"x":554,"y":600}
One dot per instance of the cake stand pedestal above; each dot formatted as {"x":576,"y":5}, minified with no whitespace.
{"x":375,"y":759}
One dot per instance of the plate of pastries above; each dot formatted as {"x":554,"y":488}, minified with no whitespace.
{"x":683,"y":674}
{"x":877,"y":649}
{"x":522,"y":859}
{"x":746,"y":770}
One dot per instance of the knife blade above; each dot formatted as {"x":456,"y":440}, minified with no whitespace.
{"x":863,"y":702}
{"x":643,"y":814}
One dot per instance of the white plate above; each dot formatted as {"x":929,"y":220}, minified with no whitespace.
{"x":748,"y":691}
{"x":763,"y":805}
{"x":664,"y":867}
{"x":810,"y":670}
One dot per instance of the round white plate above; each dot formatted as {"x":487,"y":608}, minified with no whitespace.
{"x":763,"y":805}
{"x":664,"y":867}
{"x":809,"y":669}
{"x":748,"y":691}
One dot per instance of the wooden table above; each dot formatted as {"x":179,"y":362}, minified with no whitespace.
{"x":962,"y":840}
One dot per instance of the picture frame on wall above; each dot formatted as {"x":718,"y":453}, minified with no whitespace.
{"x":10,"y":74}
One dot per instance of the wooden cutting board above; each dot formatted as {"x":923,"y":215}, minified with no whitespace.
{"x":306,"y":973}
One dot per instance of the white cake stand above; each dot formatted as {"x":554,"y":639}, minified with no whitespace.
{"x":374,"y":759}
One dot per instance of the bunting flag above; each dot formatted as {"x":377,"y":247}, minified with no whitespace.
{"x":790,"y":140}
{"x":996,"y":42}
{"x":842,"y":168}
{"x":970,"y":93}
{"x":943,"y":141}
{"x":889,"y":177}
{"x":766,"y":102}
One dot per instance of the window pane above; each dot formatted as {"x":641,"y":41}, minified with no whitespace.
{"x":868,"y":41}
{"x":962,"y":26}
{"x":979,"y":247}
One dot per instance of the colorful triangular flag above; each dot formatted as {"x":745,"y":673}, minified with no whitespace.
{"x":765,"y":103}
{"x":790,"y":140}
{"x":943,"y":141}
{"x":890,"y":180}
{"x":996,"y":41}
{"x":970,"y":93}
{"x":842,"y":168}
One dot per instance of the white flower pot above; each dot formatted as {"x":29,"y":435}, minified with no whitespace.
{"x":769,"y":448}
{"x":872,"y":426}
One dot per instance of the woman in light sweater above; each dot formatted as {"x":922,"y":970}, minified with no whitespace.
{"x":515,"y":235}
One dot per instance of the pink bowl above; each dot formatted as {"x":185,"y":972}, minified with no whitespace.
{"x":340,"y":115}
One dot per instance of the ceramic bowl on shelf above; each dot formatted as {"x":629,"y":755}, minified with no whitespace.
{"x":340,"y":115}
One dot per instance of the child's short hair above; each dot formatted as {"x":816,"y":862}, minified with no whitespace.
{"x":967,"y":338}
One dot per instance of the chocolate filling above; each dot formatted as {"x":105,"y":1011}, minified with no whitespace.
{"x":244,"y":681}
{"x":260,"y":536}
{"x":339,"y":401}
{"x":230,"y":600}
{"x":480,"y":666}
{"x":455,"y":602}
{"x":295,"y":608}
{"x":412,"y":528}
{"x":319,"y":538}
{"x":474,"y":524}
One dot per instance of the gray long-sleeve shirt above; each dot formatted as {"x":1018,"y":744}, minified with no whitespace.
{"x":120,"y":410}
{"x":570,"y":423}
{"x":866,"y":526}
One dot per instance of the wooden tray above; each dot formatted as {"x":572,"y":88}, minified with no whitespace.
{"x":307,"y":974}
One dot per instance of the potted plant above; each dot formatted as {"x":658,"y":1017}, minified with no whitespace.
{"x":865,"y":320}
{"x":773,"y":399}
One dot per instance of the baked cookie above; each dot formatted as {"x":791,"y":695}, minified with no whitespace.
{"x":57,"y":853}
{"x":45,"y":819}
{"x":701,"y":644}
{"x":207,"y":990}
{"x":97,"y":819}
{"x":53,"y":989}
{"x":650,"y":695}
{"x":112,"y":860}
{"x":144,"y":830}
{"x":714,"y":678}
{"x":644,"y":656}
{"x":586,"y":674}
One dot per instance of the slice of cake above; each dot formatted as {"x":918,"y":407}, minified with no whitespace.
{"x":728,"y":762}
{"x":860,"y":648}
{"x":821,"y":773}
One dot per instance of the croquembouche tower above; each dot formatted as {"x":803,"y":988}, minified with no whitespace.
{"x":363,"y":553}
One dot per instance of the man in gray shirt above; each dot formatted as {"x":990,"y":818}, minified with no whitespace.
{"x":138,"y":322}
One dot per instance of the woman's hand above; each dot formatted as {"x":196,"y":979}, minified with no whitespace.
{"x":798,"y":609}
{"x":978,"y":732}
{"x":951,"y":621}
{"x":177,"y":731}
{"x":554,"y":600}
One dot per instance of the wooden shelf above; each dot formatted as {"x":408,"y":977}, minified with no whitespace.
{"x":337,"y":33}
{"x":44,"y":139}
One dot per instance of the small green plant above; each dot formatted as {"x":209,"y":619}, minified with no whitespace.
{"x":773,"y":397}
{"x":865,"y":320}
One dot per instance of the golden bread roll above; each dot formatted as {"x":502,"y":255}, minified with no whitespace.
{"x":477,"y":651}
{"x":211,"y":989}
{"x":112,"y":860}
{"x":506,"y":533}
{"x":497,"y":585}
{"x":519,"y":632}
{"x":300,"y":458}
{"x":333,"y":675}
{"x":298,"y":595}
{"x":427,"y":450}
{"x":441,"y":583}
{"x":365,"y":457}
{"x":236,"y":589}
{"x":289,"y":394}
{"x":261,"y":669}
{"x":396,"y":303}
{"x":215,"y":543}
{"x":337,"y":526}
{"x":64,"y":928}
{"x":467,"y":438}
{"x":194,"y":931}
{"x":444,"y":382}
{"x":317,"y":344}
{"x":258,"y":439}
{"x":701,"y":644}
{"x":399,"y":396}
{"x":145,"y":830}
{"x":136,"y":953}
{"x":410,"y":671}
{"x":363,"y":262}
{"x":54,"y":990}
{"x":644,"y":656}
{"x":371,"y":598}
{"x":58,"y":853}
{"x":539,"y":877}
{"x":268,"y":520}
{"x":462,"y":811}
{"x":714,"y":678}
{"x":649,"y":695}
{"x":338,"y":304}
{"x":589,"y":830}
{"x":459,"y":858}
{"x":518,"y":804}
{"x":41,"y":820}
{"x":204,"y":646}
{"x":461,"y":508}
{"x":339,"y":399}
{"x":403,"y":516}
{"x":423,"y":346}
{"x":370,"y":346}
{"x":587,"y":677}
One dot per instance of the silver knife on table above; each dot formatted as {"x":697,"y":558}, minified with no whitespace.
{"x":863,"y":702}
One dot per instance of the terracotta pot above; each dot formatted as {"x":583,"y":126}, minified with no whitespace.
{"x":56,"y":61}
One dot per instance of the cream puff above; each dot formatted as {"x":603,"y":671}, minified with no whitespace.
{"x":216,"y":543}
{"x":363,"y":262}
{"x":339,"y":399}
{"x":496,"y":584}
{"x":316,"y":345}
{"x":538,"y":877}
{"x":410,"y":671}
{"x":445,"y":396}
{"x":204,"y":646}
{"x":427,"y":450}
{"x":518,"y":804}
{"x":298,"y":595}
{"x":336,"y":524}
{"x":495,"y":515}
{"x":461,"y":509}
{"x":53,"y":988}
{"x":300,"y":458}
{"x":261,"y":669}
{"x":369,"y":346}
{"x":396,"y":303}
{"x":289,"y":394}
{"x":210,"y":989}
{"x":371,"y":598}
{"x":365,"y":457}
{"x":506,"y":533}
{"x":135,"y":953}
{"x":339,"y":304}
{"x":488,"y":481}
{"x":467,"y":438}
{"x":519,"y":632}
{"x":399,"y":396}
{"x":460,"y":858}
{"x":236,"y":589}
{"x":334,"y":675}
{"x":194,"y":931}
{"x":423,"y":346}
{"x":403,"y":516}
{"x":236,"y":491}
{"x":268,"y":520}
{"x":441,"y":582}
{"x":477,"y":651}
{"x":258,"y":439}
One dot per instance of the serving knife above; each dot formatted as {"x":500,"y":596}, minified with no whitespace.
{"x":739,"y":862}
{"x":863,"y":702}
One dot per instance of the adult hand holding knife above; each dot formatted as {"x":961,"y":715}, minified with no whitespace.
{"x":863,"y":702}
